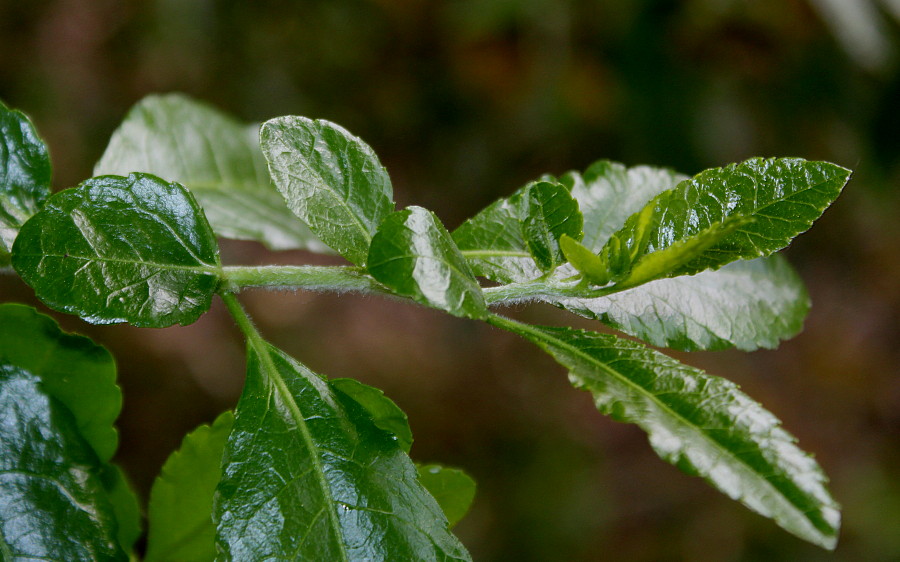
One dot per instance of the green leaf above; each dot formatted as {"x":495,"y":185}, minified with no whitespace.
{"x":746,"y":304}
{"x":783,"y":196}
{"x":413,"y":254}
{"x":494,"y":244}
{"x":24,"y":176}
{"x":385,"y":413}
{"x":125,"y":506}
{"x":702,"y":424}
{"x":52,"y":502}
{"x":308,"y":475}
{"x":72,"y":368}
{"x":453,"y":489}
{"x":672,"y":260}
{"x":585,"y":261}
{"x":550,"y":212}
{"x":217,"y":158}
{"x":180,"y":524}
{"x":115,"y":249}
{"x":330,"y":179}
{"x":608,"y":193}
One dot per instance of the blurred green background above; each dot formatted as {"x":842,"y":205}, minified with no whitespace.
{"x":465,"y":101}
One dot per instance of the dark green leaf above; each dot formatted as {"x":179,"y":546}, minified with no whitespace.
{"x":114,"y":249}
{"x":746,"y":304}
{"x":309,"y":476}
{"x":385,"y":413}
{"x":52,"y":502}
{"x":703,"y":424}
{"x":550,"y":212}
{"x":217,"y":158}
{"x":180,"y":524}
{"x":125,"y":506}
{"x":72,"y":368}
{"x":330,"y":179}
{"x":494,"y":244}
{"x":413,"y":254}
{"x":453,"y":489}
{"x":783,"y":196}
{"x":24,"y":176}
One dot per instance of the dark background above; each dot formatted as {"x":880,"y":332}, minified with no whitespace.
{"x":465,"y":101}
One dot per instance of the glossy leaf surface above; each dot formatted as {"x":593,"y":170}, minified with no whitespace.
{"x":702,"y":424}
{"x":72,"y":368}
{"x":24,"y":175}
{"x":453,"y":489}
{"x":414,"y":255}
{"x":783,"y":196}
{"x":217,"y":158}
{"x":308,"y":475}
{"x":746,"y":304}
{"x":331,"y":179}
{"x":494,"y":243}
{"x":115,"y":249}
{"x":549,"y":213}
{"x":52,"y":502}
{"x":385,"y":413}
{"x":180,"y":524}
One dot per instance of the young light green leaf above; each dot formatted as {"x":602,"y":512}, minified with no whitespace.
{"x":330,"y":179}
{"x":217,"y":158}
{"x":747,"y":304}
{"x":783,"y":196}
{"x":72,"y":368}
{"x":180,"y":524}
{"x":24,"y":176}
{"x":549,"y":213}
{"x":702,"y":424}
{"x":308,"y":475}
{"x":413,"y":254}
{"x":53,"y":505}
{"x":115,"y":249}
{"x":385,"y":413}
{"x":494,"y":244}
{"x":585,"y":261}
{"x":672,"y":260}
{"x":453,"y":489}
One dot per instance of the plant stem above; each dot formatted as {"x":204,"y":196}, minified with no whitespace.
{"x":254,"y":338}
{"x":306,"y":277}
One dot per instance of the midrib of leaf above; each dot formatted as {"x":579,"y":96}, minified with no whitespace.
{"x":259,"y":345}
{"x":529,"y":332}
{"x":205,"y":268}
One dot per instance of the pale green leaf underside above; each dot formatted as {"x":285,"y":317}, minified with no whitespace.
{"x":453,"y":489}
{"x":217,"y":158}
{"x":308,"y":475}
{"x":783,"y":196}
{"x":331,"y":179}
{"x":384,"y":411}
{"x":24,"y":175}
{"x":115,"y":249}
{"x":703,"y":424}
{"x":53,"y":505}
{"x":180,"y":524}
{"x":746,"y":304}
{"x":414,"y":255}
